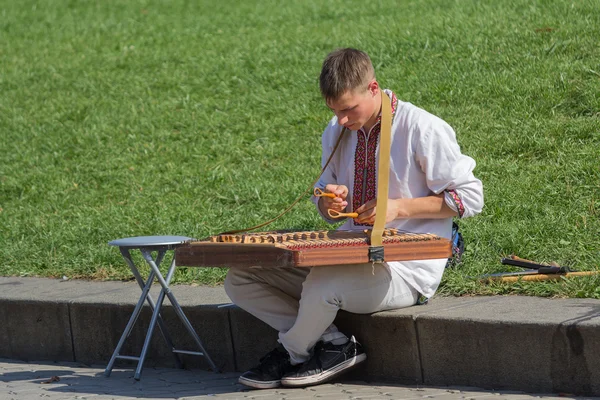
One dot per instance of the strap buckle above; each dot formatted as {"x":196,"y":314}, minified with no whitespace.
{"x":376,"y":254}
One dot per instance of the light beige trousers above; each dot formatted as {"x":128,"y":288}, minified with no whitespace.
{"x":301,"y":303}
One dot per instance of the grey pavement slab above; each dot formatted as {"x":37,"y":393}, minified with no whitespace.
{"x":96,"y":330}
{"x":112,"y":292}
{"x":34,"y":330}
{"x":252,"y":338}
{"x":494,"y":342}
{"x":390,"y":341}
{"x":69,"y":381}
{"x":92,"y":316}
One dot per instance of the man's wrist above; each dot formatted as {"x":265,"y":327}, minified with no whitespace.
{"x":405,"y":208}
{"x":432,"y":206}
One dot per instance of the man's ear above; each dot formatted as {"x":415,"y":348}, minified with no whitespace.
{"x":373,"y":87}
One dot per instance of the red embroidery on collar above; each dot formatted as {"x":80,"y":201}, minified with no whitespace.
{"x":365,"y":166}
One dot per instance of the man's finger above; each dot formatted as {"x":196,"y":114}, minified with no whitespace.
{"x":366,"y":207}
{"x":371,"y":204}
{"x":342,"y":191}
{"x":331,"y":188}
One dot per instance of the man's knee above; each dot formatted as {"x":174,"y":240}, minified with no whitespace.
{"x":322,"y":277}
{"x":320,"y":287}
{"x":231,"y":283}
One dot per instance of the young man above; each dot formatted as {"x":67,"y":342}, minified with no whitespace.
{"x":430,"y":182}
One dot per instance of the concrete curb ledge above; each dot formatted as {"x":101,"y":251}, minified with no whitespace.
{"x":521,"y":343}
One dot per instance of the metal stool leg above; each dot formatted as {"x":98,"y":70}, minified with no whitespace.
{"x":155,"y":268}
{"x":132,"y":319}
{"x":177,"y":307}
{"x":161,"y":325}
{"x":191,"y":330}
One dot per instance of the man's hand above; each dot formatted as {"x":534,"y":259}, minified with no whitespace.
{"x":396,"y":208}
{"x":339,"y":203}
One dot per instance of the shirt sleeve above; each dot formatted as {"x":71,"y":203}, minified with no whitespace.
{"x":330,"y":174}
{"x":447,"y":170}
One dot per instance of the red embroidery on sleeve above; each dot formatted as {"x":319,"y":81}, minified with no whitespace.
{"x":459,"y":204}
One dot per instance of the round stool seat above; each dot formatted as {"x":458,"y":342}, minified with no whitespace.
{"x":149,"y":241}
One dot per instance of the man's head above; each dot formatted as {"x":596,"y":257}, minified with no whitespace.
{"x":349,"y":88}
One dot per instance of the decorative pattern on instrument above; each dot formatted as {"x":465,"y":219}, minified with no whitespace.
{"x":320,"y":239}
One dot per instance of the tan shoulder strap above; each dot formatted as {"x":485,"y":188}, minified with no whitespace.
{"x":383,"y":177}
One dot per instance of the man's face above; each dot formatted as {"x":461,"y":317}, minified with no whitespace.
{"x":354,"y":108}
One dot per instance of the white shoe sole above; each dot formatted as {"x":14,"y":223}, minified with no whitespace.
{"x":325,"y":375}
{"x":259,"y":384}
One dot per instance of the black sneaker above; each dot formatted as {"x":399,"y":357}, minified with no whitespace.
{"x":268,"y":373}
{"x":327,"y":362}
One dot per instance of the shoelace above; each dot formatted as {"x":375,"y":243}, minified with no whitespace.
{"x":275,"y":353}
{"x":271,"y":359}
{"x":319,"y":347}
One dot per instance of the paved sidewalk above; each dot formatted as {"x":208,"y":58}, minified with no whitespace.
{"x":61,"y":381}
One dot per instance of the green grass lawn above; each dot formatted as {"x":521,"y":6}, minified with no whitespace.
{"x":127,"y":118}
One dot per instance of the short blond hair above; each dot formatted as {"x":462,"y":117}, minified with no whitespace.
{"x":345,"y":70}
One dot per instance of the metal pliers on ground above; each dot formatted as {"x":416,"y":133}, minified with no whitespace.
{"x":553,"y":268}
{"x":533,"y":268}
